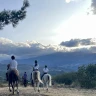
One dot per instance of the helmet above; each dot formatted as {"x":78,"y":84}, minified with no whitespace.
{"x":35,"y":61}
{"x":12,"y":57}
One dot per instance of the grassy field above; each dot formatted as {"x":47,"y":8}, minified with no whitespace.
{"x":53,"y":91}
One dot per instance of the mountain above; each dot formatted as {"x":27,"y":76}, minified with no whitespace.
{"x":60,"y":59}
{"x":57,"y":62}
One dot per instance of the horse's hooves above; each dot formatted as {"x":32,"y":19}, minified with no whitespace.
{"x":13,"y":93}
{"x":38,"y":90}
{"x":17,"y":91}
{"x":10,"y":90}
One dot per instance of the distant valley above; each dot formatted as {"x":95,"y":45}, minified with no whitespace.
{"x":57,"y":62}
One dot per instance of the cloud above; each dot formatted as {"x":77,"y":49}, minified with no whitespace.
{"x":68,"y":1}
{"x":78,"y":42}
{"x":93,"y":5}
{"x":32,"y":48}
{"x":28,"y":48}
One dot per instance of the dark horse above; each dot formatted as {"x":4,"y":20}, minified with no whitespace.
{"x":13,"y":81}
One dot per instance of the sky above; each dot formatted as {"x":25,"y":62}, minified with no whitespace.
{"x":50,"y":26}
{"x":49,"y":21}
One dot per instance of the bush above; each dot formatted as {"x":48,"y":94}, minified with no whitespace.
{"x":87,"y":76}
{"x":66,"y":78}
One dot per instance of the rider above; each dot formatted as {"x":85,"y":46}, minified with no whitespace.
{"x":13,"y":66}
{"x":36,"y":66}
{"x":25,"y":76}
{"x":45,"y":70}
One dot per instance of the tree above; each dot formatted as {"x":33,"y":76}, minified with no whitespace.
{"x":13,"y":16}
{"x":87,"y":76}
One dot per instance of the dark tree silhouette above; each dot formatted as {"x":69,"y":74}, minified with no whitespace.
{"x":13,"y":16}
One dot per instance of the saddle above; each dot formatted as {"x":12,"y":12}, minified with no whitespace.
{"x":44,"y":74}
{"x":15,"y":71}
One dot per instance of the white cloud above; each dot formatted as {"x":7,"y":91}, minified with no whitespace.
{"x":68,"y":1}
{"x":31,"y":48}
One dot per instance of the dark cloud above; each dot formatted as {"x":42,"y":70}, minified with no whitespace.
{"x":93,"y":5}
{"x":78,"y":42}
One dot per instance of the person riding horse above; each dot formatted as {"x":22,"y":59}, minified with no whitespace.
{"x":36,"y":76}
{"x":13,"y":74}
{"x":35,"y":68}
{"x":45,"y":71}
{"x":12,"y":66}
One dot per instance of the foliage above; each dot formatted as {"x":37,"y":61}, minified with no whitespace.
{"x":13,"y":16}
{"x":87,"y":76}
{"x":66,"y":78}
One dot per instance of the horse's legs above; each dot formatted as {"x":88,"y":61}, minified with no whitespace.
{"x":17,"y":87}
{"x":13,"y":85}
{"x":38,"y":86}
{"x":43,"y":85}
{"x":9,"y":87}
{"x":47,"y":85}
{"x":34,"y":86}
{"x":17,"y":84}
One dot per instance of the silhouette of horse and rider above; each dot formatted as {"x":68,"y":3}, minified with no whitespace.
{"x":12,"y":76}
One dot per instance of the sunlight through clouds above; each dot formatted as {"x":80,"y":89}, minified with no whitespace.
{"x":68,"y":1}
{"x":78,"y":26}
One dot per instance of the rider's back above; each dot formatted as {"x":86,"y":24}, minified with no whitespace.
{"x":13,"y":64}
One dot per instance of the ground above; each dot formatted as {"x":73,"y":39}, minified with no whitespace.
{"x":53,"y":91}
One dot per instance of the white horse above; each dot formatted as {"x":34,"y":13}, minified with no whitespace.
{"x":46,"y":80}
{"x":36,"y":79}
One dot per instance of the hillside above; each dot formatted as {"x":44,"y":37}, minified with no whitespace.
{"x":57,"y":62}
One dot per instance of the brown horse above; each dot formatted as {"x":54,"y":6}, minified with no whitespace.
{"x":13,"y":80}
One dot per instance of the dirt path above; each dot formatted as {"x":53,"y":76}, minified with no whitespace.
{"x":29,"y":91}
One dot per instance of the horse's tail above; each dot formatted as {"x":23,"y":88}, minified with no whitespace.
{"x":40,"y":81}
{"x":37,"y":77}
{"x":49,"y":79}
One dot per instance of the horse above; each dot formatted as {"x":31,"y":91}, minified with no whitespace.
{"x":36,"y":79}
{"x":31,"y":80}
{"x":13,"y":80}
{"x":46,"y":80}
